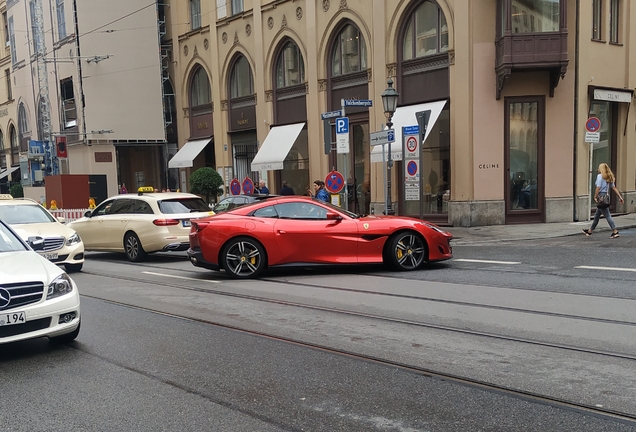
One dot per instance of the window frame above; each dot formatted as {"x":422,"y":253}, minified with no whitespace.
{"x":195,"y":14}
{"x":281,"y":72}
{"x":196,"y":88}
{"x":597,"y":20}
{"x":337,"y":49}
{"x":235,"y":92}
{"x":61,"y":19}
{"x":237,"y":6}
{"x":411,"y":24}
{"x":615,"y":21}
{"x":14,"y":56}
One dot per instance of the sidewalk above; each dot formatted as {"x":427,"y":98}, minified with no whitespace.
{"x":497,"y":233}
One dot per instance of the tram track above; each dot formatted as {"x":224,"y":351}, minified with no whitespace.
{"x":586,"y":409}
{"x":393,"y":320}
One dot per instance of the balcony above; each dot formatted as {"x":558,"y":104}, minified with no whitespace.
{"x":523,"y":44}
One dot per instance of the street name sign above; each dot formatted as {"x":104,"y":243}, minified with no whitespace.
{"x":382,"y":137}
{"x":331,"y":114}
{"x":358,"y":102}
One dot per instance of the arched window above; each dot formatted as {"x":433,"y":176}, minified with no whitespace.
{"x":290,"y":69}
{"x":23,"y":128}
{"x":241,"y":81}
{"x":200,"y":93}
{"x":349,"y":52}
{"x":15,"y":151}
{"x":426,"y":32}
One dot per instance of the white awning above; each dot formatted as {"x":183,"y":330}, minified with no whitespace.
{"x":276,"y":146}
{"x":405,"y":116}
{"x":613,"y":95}
{"x":8,"y":171}
{"x":187,"y":153}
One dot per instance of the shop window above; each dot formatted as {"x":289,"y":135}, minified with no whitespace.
{"x":349,"y":52}
{"x":200,"y":93}
{"x":195,"y":14}
{"x":241,"y":81}
{"x":597,"y":20}
{"x":615,"y":16}
{"x":290,"y":69}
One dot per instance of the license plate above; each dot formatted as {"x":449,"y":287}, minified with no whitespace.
{"x":50,"y":256}
{"x":12,"y":318}
{"x":186,"y":223}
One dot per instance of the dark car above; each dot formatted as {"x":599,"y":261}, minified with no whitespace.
{"x":235,"y":201}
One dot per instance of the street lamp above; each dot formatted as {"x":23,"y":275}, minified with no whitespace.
{"x":389,"y":100}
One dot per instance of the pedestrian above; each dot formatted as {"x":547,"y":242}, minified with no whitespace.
{"x":286,"y":189}
{"x":263,"y":188}
{"x":605,"y":182}
{"x":320,"y":192}
{"x":123,"y":189}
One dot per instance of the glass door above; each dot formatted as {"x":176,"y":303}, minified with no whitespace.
{"x":524,"y":188}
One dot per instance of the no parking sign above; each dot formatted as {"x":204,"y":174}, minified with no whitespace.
{"x":235,"y":187}
{"x":334,"y":182}
{"x":248,"y":186}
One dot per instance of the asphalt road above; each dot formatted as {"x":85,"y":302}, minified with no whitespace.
{"x":514,"y":337}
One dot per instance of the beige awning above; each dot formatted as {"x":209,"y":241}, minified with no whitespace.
{"x":276,"y":146}
{"x":187,"y":153}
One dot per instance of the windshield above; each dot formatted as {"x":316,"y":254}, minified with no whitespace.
{"x":8,"y":241}
{"x":24,"y":214}
{"x":183,"y":205}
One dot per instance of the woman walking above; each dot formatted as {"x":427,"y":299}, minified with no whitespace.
{"x":605,"y":181}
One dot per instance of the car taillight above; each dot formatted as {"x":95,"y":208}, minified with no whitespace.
{"x":165,"y":222}
{"x":198,"y":226}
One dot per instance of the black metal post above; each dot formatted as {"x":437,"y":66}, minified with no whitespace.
{"x":389,"y":202}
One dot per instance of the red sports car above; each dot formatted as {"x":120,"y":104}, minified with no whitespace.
{"x":302,"y":230}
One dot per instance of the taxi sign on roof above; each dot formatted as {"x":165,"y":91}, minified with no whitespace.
{"x":6,"y":197}
{"x":145,"y":189}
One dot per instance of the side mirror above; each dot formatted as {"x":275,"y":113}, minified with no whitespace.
{"x":61,"y":220}
{"x":88,"y":213}
{"x":333,"y":216}
{"x":36,"y":243}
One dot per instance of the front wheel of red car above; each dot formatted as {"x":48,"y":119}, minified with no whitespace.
{"x":407,"y":251}
{"x":243,"y":258}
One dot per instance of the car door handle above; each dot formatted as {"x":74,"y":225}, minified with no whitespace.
{"x":282,"y":232}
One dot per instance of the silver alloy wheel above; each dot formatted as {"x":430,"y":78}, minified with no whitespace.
{"x":244,"y":258}
{"x":134,"y":251}
{"x":407,"y":251}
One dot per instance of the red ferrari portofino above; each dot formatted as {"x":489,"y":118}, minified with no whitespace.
{"x":302,"y":230}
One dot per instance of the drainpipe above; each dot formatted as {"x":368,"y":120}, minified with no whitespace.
{"x":576,"y":108}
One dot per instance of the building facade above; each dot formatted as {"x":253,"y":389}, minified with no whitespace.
{"x":85,"y":80}
{"x":507,"y":88}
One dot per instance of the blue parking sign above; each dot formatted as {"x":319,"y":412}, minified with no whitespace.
{"x":342,"y":125}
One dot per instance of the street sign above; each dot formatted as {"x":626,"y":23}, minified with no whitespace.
{"x":358,"y":102}
{"x":331,"y":114}
{"x":410,"y":130}
{"x":342,"y":135}
{"x":592,"y":137}
{"x":334,"y":182}
{"x":382,"y":137}
{"x":593,"y":124}
{"x":248,"y":186}
{"x":235,"y":187}
{"x":411,"y":144}
{"x":342,"y":125}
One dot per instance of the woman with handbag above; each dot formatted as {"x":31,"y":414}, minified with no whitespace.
{"x":605,"y":181}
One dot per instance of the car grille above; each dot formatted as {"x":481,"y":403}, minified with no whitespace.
{"x":53,"y":243}
{"x":27,"y":327}
{"x":23,"y":293}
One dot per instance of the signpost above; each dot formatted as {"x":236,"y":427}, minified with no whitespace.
{"x":326,"y":123}
{"x":334,"y":182}
{"x":382,"y":137}
{"x":357,"y":103}
{"x":235,"y":187}
{"x":592,"y":135}
{"x":411,"y":156}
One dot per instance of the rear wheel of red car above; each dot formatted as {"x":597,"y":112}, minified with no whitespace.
{"x":134,"y":251}
{"x":243,"y":257}
{"x":407,"y":251}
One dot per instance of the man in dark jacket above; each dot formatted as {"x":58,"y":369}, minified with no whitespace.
{"x":286,"y":190}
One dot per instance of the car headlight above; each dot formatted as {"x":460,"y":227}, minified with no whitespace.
{"x":433,"y":227}
{"x":75,"y":238}
{"x":60,"y":286}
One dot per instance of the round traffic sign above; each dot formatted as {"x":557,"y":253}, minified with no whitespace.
{"x":411,"y":168}
{"x":248,"y":186}
{"x":411,"y":144}
{"x":235,"y":187}
{"x":593,"y":124}
{"x":334,"y":182}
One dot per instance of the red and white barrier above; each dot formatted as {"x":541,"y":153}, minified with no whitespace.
{"x":69,"y":215}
